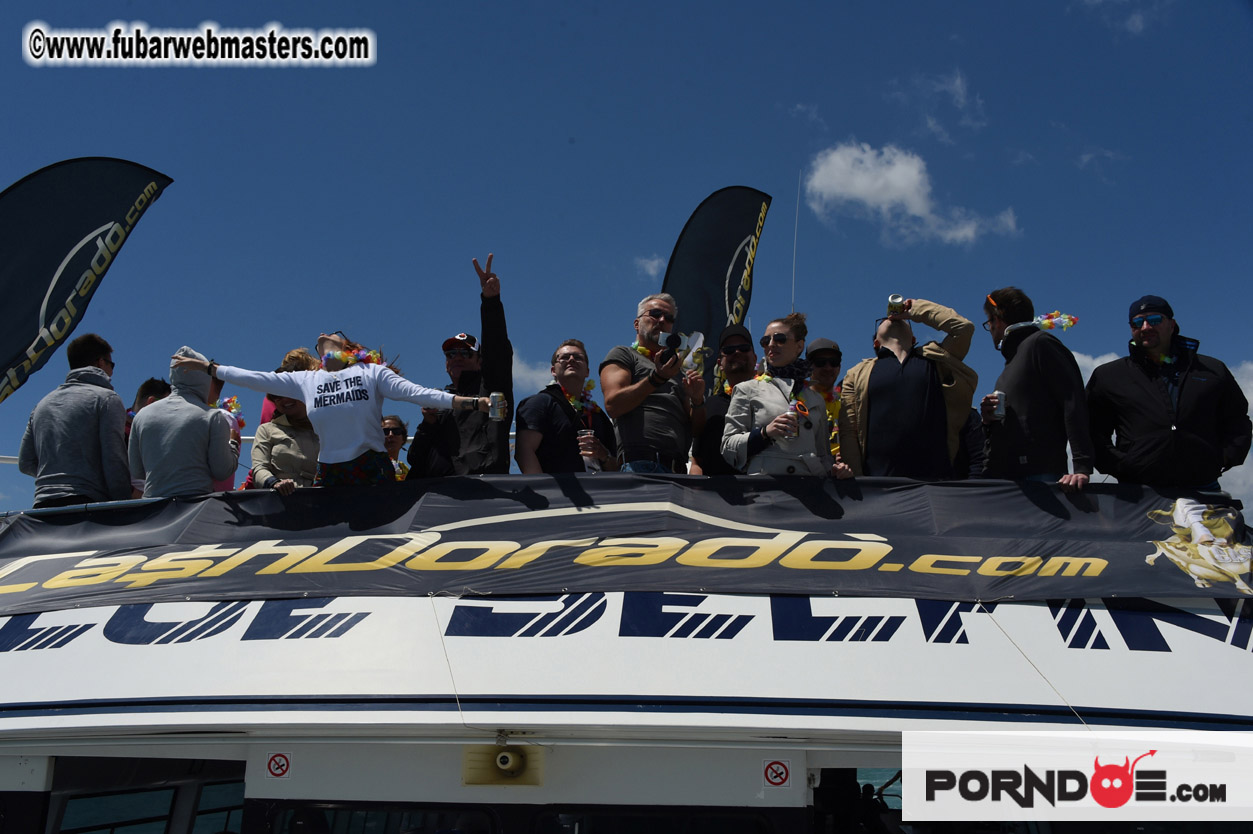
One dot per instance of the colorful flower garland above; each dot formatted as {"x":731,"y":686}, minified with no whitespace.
{"x":583,"y":402}
{"x":1054,"y":320}
{"x":231,"y":406}
{"x":647,"y":353}
{"x":347,"y":357}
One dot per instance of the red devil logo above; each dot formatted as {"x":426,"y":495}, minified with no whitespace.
{"x":1111,"y":785}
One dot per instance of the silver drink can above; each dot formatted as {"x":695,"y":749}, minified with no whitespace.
{"x":795,"y":413}
{"x":497,"y":407}
{"x":896,"y":304}
{"x":998,"y":413}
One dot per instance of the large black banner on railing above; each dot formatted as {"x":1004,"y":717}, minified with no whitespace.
{"x":515,"y":535}
{"x":60,"y":230}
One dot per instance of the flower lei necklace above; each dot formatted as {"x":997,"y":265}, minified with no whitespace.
{"x":583,"y":402}
{"x":647,"y":353}
{"x":231,"y":406}
{"x":369,"y":357}
{"x":829,"y":396}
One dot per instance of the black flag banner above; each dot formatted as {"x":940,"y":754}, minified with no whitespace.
{"x":60,"y":231}
{"x":710,"y":273}
{"x":976,"y":541}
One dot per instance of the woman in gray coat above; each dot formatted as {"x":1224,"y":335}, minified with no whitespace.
{"x":775,"y":425}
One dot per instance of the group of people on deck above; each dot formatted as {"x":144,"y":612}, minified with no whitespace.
{"x":1164,"y":415}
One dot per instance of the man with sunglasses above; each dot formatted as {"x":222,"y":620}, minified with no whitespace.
{"x":824,"y":358}
{"x":902,"y":412}
{"x":738,"y":362}
{"x":1180,"y":418}
{"x":468,"y":442}
{"x":552,"y":424}
{"x":654,"y":405}
{"x":1044,"y":409}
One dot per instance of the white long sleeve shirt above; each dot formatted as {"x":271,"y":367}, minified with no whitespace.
{"x":345,"y":406}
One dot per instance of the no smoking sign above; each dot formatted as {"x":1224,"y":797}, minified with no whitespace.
{"x":777,"y":773}
{"x":278,"y":766}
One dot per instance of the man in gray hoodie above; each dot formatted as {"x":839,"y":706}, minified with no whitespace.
{"x":75,"y":441}
{"x":180,"y":445}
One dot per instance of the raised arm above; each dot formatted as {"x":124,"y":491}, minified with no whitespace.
{"x":287,"y":383}
{"x":959,"y":330}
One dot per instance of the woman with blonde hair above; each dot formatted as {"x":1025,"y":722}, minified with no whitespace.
{"x":344,"y":400}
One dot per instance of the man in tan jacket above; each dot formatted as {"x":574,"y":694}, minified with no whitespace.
{"x":903,"y":409}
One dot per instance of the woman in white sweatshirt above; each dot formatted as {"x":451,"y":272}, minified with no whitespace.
{"x":345,"y":405}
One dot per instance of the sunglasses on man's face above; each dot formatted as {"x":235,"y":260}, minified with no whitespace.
{"x":730,"y":349}
{"x":395,"y":430}
{"x":458,"y":353}
{"x":777,"y":338}
{"x":1154,"y":319}
{"x":825,"y":363}
{"x":659,"y":315}
{"x":571,"y":357}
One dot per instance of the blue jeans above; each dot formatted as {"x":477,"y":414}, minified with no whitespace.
{"x":645,"y":467}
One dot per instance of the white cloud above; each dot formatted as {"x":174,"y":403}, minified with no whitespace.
{"x":935,"y":97}
{"x":1098,"y":161}
{"x":529,"y":377}
{"x":1087,"y":364}
{"x":1132,"y":17}
{"x":970,"y":106}
{"x":1023,"y":158}
{"x":937,"y":130}
{"x":809,"y":112}
{"x":651,"y":267}
{"x":891,"y":186}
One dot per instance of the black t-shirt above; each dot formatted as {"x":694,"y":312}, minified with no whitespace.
{"x":555,"y":419}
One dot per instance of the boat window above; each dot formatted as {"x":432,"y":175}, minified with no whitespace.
{"x":627,"y":823}
{"x":220,"y":808}
{"x":360,"y":821}
{"x":129,"y":812}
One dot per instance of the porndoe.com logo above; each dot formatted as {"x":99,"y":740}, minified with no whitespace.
{"x":1110,"y":785}
{"x":1021,"y":776}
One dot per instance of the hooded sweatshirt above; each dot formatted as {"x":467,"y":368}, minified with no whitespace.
{"x":180,"y":444}
{"x":75,"y":441}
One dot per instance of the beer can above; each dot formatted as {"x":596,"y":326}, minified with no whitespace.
{"x":792,"y":409}
{"x":497,"y":407}
{"x":999,"y":412}
{"x":896,"y":304}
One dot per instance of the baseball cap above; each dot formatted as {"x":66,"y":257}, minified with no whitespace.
{"x":461,"y":340}
{"x":1151,"y":304}
{"x":734,"y":330}
{"x":819,"y":345}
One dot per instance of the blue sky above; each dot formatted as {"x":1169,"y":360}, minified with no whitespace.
{"x":1087,"y":151}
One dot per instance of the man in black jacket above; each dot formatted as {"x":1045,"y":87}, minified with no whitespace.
{"x":468,"y":442}
{"x":1180,"y":417}
{"x":1044,"y":409}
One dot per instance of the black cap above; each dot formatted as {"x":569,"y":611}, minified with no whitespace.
{"x":734,"y":330}
{"x":819,"y":345}
{"x":1150,"y":304}
{"x":461,"y":340}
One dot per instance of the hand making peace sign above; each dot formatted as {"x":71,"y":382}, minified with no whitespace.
{"x":487,"y":279}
